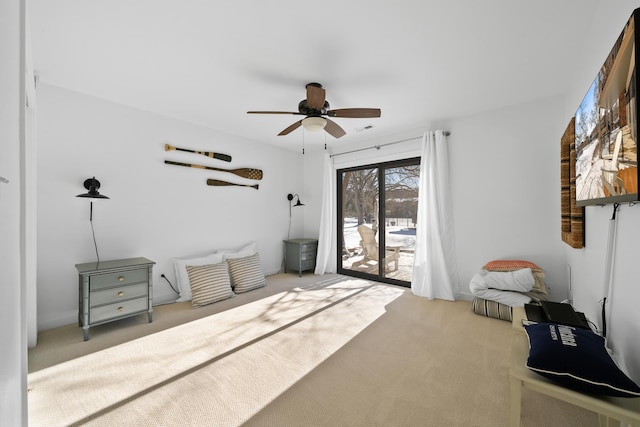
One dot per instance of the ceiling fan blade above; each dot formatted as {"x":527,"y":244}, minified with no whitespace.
{"x":355,"y":112}
{"x":291,"y":128}
{"x":274,"y":112}
{"x":333,"y":129}
{"x":315,"y":96}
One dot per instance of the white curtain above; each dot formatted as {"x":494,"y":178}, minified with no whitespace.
{"x":326,"y":257}
{"x":434,"y":268}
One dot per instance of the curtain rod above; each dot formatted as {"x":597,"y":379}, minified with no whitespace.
{"x":377,"y":147}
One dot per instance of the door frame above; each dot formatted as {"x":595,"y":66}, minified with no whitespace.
{"x":381,"y":167}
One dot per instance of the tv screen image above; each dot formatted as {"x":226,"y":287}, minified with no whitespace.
{"x":606,"y":128}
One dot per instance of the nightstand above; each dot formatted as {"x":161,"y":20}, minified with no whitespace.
{"x":113,"y":290}
{"x":300,"y":254}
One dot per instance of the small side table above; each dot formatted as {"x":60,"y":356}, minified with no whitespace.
{"x":300,"y":254}
{"x":113,"y":290}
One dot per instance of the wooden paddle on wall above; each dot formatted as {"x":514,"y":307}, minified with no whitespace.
{"x":219,"y":156}
{"x":249,"y":173}
{"x":218,"y":183}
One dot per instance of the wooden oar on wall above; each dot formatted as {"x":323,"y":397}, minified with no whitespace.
{"x":249,"y":173}
{"x":218,"y":183}
{"x":219,"y":156}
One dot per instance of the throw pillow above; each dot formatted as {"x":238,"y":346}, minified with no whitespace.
{"x":209,"y":283}
{"x":577,"y":359}
{"x":510,"y":265}
{"x":181,"y":273}
{"x":246,"y":273}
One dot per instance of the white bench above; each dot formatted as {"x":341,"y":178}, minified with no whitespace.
{"x":612,"y":411}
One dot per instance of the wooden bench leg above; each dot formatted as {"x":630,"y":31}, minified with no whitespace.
{"x":516,"y":400}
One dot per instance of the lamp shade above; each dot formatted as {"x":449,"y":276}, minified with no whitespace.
{"x":313,"y":124}
{"x":92,"y":185}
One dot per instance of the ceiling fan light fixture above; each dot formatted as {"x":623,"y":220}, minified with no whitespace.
{"x":313,"y":124}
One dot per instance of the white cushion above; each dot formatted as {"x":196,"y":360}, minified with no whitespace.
{"x":243,"y":252}
{"x":182,"y":276}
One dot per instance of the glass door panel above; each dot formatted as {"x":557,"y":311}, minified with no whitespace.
{"x":360,"y":214}
{"x":376,"y":230}
{"x":401,"y":210}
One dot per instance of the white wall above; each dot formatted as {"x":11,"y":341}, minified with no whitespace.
{"x":13,"y":369}
{"x":505,"y":173}
{"x":588,"y":264}
{"x":155,"y":210}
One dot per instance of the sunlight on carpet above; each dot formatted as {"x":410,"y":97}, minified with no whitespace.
{"x":218,"y":370}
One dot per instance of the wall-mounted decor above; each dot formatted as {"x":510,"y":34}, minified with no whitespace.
{"x":219,"y":183}
{"x":219,"y":156}
{"x":249,"y":173}
{"x":572,"y":215}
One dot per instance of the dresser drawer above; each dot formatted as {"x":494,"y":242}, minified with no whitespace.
{"x":121,"y":293}
{"x":102,"y":281}
{"x":123,"y":308}
{"x":308,"y":247}
{"x":306,"y":256}
{"x":307,"y":265}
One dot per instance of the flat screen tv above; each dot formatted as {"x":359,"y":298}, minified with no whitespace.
{"x":606,"y":127}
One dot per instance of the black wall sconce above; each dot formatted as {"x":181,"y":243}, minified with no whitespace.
{"x":290,"y":198}
{"x":92,"y":185}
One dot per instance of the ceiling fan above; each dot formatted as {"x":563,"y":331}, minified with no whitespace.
{"x":316,"y":109}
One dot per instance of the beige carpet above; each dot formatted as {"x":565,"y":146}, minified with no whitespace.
{"x":316,"y":351}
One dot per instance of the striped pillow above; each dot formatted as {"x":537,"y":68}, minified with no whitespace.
{"x":209,"y":283}
{"x":493,"y":309}
{"x":246,"y":273}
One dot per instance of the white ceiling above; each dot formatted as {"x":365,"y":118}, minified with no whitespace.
{"x":209,"y":62}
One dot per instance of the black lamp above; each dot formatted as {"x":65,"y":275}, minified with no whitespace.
{"x":298,"y":203}
{"x":290,"y":198}
{"x":92,"y":185}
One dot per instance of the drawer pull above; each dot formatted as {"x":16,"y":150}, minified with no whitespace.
{"x":120,"y":294}
{"x":120,"y":309}
{"x":121,"y":279}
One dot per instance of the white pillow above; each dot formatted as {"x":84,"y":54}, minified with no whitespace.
{"x":183,"y":277}
{"x":243,"y":252}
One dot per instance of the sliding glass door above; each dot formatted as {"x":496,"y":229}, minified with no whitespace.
{"x":377,"y":209}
